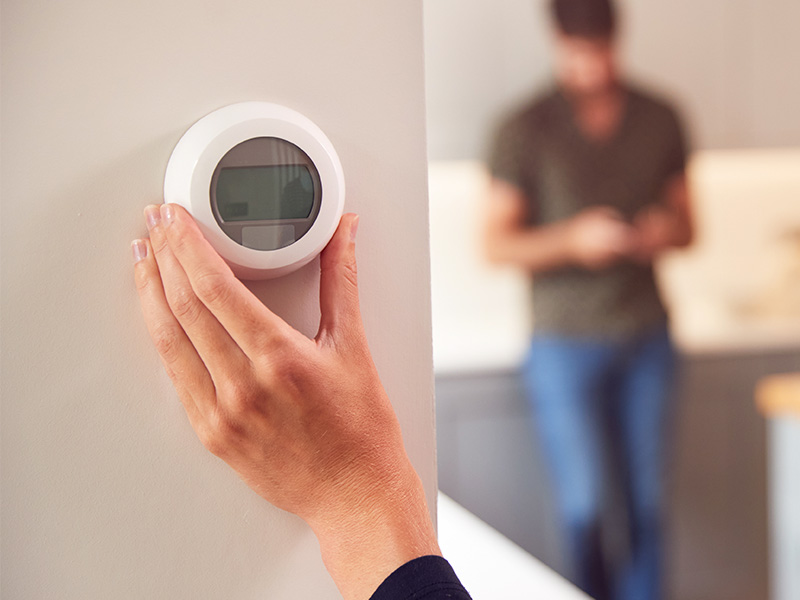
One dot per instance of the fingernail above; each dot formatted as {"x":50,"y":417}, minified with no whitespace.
{"x":152,"y":216}
{"x":139,"y":250}
{"x":354,"y":229}
{"x":168,"y":213}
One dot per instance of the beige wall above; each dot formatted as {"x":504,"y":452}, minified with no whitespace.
{"x":106,"y":493}
{"x":729,"y":64}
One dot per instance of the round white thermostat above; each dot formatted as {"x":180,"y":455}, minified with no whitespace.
{"x":264,"y":184}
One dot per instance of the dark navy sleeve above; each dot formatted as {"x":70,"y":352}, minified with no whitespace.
{"x":424,"y":578}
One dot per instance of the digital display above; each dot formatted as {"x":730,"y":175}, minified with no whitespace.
{"x":268,"y":193}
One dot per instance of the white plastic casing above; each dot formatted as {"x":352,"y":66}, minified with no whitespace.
{"x":188,"y":181}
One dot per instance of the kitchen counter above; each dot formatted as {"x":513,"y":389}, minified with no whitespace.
{"x":490,"y":565}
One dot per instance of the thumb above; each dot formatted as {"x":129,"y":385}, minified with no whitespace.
{"x":338,"y":285}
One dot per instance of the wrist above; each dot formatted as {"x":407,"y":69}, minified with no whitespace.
{"x":385,"y":527}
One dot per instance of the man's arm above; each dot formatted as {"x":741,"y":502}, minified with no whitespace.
{"x":594,"y":238}
{"x":668,"y":224}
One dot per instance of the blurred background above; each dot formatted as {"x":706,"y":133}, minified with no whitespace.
{"x":731,"y":66}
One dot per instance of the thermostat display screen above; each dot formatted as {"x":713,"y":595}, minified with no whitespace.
{"x":265,"y":193}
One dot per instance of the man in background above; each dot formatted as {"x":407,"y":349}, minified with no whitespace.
{"x":588,"y":188}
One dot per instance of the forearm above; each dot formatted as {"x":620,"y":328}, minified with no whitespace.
{"x":661,"y":228}
{"x":681,"y":232}
{"x":372,"y":537}
{"x":669,"y":223}
{"x":535,"y":249}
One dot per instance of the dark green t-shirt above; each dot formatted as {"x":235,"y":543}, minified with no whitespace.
{"x":541,"y":150}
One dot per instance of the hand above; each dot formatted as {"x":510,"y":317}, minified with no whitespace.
{"x":597,"y":238}
{"x":305,"y":423}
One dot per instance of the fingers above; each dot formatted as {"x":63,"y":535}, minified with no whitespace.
{"x":338,"y":286}
{"x":222,"y":356}
{"x":180,"y":359}
{"x":251,"y":324}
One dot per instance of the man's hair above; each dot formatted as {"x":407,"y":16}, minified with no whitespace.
{"x":584,"y":18}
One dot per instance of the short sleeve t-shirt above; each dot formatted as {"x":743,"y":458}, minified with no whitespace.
{"x":541,"y":150}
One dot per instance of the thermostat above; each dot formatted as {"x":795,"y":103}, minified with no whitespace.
{"x":264,"y":184}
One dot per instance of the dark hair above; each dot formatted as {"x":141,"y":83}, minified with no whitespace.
{"x":584,"y":18}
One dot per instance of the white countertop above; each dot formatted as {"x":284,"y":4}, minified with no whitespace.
{"x":490,"y":565}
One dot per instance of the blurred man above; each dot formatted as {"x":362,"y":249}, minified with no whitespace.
{"x":588,"y":189}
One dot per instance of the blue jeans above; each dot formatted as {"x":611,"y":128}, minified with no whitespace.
{"x":602,"y":411}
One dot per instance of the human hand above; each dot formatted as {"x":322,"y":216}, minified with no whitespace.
{"x":597,"y":237}
{"x":305,"y":423}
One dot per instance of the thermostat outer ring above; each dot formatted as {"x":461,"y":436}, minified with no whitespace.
{"x":188,"y":181}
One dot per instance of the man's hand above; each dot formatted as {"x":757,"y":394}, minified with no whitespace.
{"x":305,"y":423}
{"x":595,"y":238}
{"x":598,"y":238}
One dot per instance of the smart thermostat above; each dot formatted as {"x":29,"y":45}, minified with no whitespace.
{"x":264,"y":184}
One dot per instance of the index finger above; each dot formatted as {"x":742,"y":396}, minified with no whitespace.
{"x":251,"y":324}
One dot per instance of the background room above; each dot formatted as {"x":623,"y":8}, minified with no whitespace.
{"x":734,"y":295}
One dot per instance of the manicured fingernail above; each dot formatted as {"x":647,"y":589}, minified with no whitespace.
{"x":168,"y":213}
{"x":152,"y":216}
{"x":139,"y":250}
{"x":354,"y":229}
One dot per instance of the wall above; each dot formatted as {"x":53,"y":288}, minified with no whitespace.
{"x":728,"y":65}
{"x":106,"y":493}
